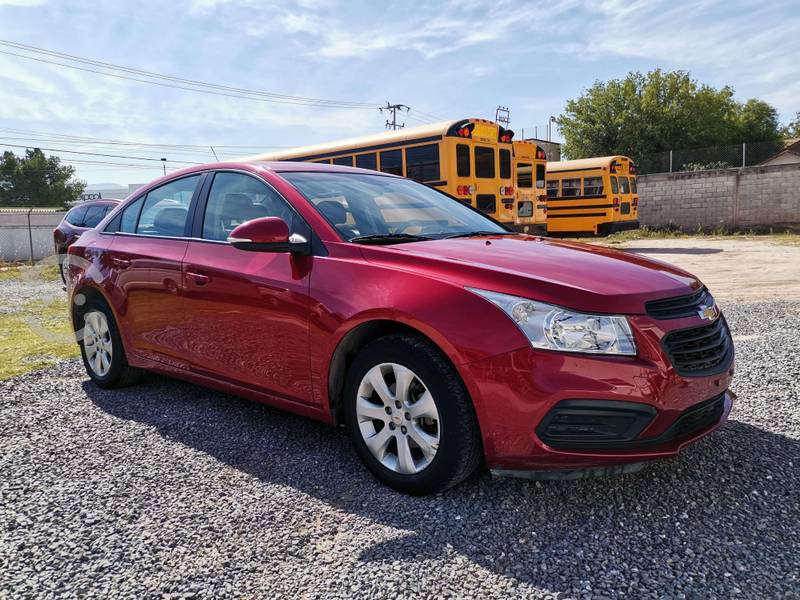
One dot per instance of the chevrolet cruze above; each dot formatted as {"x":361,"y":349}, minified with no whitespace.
{"x":438,"y":338}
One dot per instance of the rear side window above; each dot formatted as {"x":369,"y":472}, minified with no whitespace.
{"x":166,"y":208}
{"x":367,"y":161}
{"x":484,"y":162}
{"x":623,"y":185}
{"x":345,"y":161}
{"x":505,"y":164}
{"x":524,"y":175}
{"x":570,"y":187}
{"x":75,"y":216}
{"x":462,"y":160}
{"x":130,"y":216}
{"x":552,"y":188}
{"x":593,"y":186}
{"x":614,"y":184}
{"x":94,"y":215}
{"x":540,"y":171}
{"x":392,"y":162}
{"x":422,"y":163}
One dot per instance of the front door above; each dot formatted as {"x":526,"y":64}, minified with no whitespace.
{"x":247,"y":313}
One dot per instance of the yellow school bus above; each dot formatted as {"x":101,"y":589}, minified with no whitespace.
{"x":592,"y":196}
{"x":530,"y":162}
{"x":470,"y":159}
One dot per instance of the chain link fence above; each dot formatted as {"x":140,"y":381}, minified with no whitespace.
{"x":713,"y":157}
{"x":26,"y":234}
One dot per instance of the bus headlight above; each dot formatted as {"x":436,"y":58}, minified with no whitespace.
{"x":550,"y":327}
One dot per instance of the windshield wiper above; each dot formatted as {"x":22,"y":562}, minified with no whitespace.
{"x":476,"y":233}
{"x":388,"y":238}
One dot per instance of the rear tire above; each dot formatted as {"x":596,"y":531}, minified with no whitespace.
{"x":409,"y":416}
{"x":101,"y":347}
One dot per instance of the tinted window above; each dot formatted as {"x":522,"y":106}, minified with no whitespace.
{"x":462,"y":160}
{"x":346,"y":161}
{"x":358,"y":205}
{"x":422,"y":163}
{"x":593,"y":186}
{"x":524,"y":175}
{"x":623,"y":185}
{"x":94,"y":215}
{"x":234,"y":199}
{"x":392,"y":162}
{"x":633,"y":186}
{"x":367,"y":161}
{"x":130,"y":216}
{"x":505,"y":164}
{"x":166,"y":208}
{"x":75,"y":216}
{"x":484,"y":162}
{"x":540,"y":171}
{"x":614,"y":184}
{"x":552,"y":188}
{"x":570,"y":187}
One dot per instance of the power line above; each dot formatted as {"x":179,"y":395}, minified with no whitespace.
{"x":99,"y":154}
{"x":172,"y":81}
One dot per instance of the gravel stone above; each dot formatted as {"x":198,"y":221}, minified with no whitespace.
{"x":170,"y":490}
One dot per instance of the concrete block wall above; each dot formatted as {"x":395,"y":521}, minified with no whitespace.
{"x":732,"y":198}
{"x":15,"y":243}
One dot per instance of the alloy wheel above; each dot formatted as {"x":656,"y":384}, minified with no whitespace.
{"x":97,"y":342}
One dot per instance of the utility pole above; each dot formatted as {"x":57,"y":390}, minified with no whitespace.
{"x":164,"y":164}
{"x":502,"y":115}
{"x":393,"y":108}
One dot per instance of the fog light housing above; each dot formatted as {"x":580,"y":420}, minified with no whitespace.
{"x":594,"y":423}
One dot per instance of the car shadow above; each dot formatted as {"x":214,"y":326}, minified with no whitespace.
{"x":554,"y":535}
{"x":673,"y":250}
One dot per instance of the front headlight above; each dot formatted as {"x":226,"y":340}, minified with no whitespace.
{"x":554,"y":328}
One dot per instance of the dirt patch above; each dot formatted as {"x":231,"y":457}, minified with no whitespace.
{"x":734,"y":269}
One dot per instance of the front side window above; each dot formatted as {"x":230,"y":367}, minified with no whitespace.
{"x":422,"y":163}
{"x":462,"y":160}
{"x":345,"y":161}
{"x":593,"y":186}
{"x":540,"y":172}
{"x":234,"y":199}
{"x":524,"y":175}
{"x":505,"y":164}
{"x":359,"y":205}
{"x":76,"y":215}
{"x":614,"y":184}
{"x":552,"y":188}
{"x":367,"y":161}
{"x":392,"y":162}
{"x":166,"y":208}
{"x":484,"y":162}
{"x":633,"y":186}
{"x":623,"y":185}
{"x":570,"y":187}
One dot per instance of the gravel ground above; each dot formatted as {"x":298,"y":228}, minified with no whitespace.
{"x":167,"y":489}
{"x":29,"y":287}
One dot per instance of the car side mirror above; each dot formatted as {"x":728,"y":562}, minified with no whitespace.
{"x":267,"y":234}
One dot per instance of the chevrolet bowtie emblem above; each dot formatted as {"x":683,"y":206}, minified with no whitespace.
{"x":709,"y":312}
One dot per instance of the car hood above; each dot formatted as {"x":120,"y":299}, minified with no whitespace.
{"x":574,"y":275}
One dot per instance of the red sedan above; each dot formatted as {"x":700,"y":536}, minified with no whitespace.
{"x":437,"y":337}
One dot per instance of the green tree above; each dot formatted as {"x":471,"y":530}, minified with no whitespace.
{"x":792,"y":128}
{"x":37,"y":180}
{"x":657,"y":111}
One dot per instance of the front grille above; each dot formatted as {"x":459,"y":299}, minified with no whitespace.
{"x":486,"y":203}
{"x":700,"y":351}
{"x":679,"y":306}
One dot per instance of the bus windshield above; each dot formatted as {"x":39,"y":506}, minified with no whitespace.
{"x":378,"y":209}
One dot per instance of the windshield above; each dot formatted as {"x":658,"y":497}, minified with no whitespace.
{"x":366,"y":207}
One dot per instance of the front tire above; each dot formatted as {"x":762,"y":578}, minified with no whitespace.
{"x":101,"y":347}
{"x":409,"y":416}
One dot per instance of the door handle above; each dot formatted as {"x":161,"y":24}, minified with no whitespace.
{"x":121,"y":263}
{"x":197,"y":278}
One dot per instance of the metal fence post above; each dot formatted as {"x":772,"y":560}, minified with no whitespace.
{"x":30,"y":233}
{"x":670,"y":161}
{"x":744,"y":153}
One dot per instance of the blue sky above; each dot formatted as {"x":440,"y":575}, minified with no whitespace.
{"x":448,"y":59}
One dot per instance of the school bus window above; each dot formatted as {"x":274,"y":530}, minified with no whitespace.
{"x":540,"y":171}
{"x":570,"y":187}
{"x":614,"y":184}
{"x":524,"y":175}
{"x":392,"y":162}
{"x":505,"y":164}
{"x":484,"y":162}
{"x":462,"y":160}
{"x":346,"y":161}
{"x":422,"y":162}
{"x":623,"y":185}
{"x":367,"y":161}
{"x":552,"y":188}
{"x":593,"y":186}
{"x":633,"y":186}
